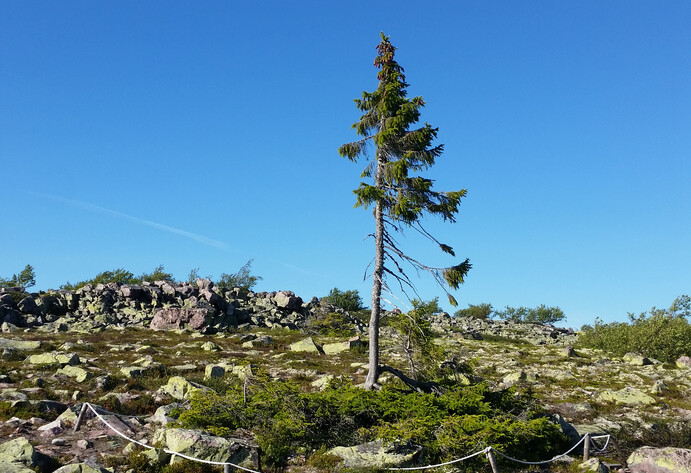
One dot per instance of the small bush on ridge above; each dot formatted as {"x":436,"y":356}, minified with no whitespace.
{"x":664,"y":334}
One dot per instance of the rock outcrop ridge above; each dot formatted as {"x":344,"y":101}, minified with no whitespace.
{"x":478,"y":329}
{"x":161,"y":305}
{"x":204,"y":307}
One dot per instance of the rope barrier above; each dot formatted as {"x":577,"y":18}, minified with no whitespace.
{"x":598,"y":449}
{"x":487,"y":451}
{"x":442,"y":464}
{"x":170,"y":452}
{"x":544,"y":461}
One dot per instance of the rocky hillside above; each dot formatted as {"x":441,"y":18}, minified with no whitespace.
{"x":143,"y":350}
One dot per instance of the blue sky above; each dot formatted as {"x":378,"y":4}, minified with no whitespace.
{"x":204,"y":134}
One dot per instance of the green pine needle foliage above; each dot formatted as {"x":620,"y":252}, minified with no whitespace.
{"x":288,"y":421}
{"x":403,"y":149}
{"x":25,"y":278}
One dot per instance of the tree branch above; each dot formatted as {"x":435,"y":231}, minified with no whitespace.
{"x":419,"y":386}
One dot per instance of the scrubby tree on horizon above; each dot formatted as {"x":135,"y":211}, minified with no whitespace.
{"x":243,"y":278}
{"x":538,"y":315}
{"x":346,"y":300}
{"x":477,"y":311}
{"x":26,"y":278}
{"x":399,"y":195}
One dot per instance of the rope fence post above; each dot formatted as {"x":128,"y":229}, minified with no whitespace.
{"x":492,"y":460}
{"x":619,"y":452}
{"x":226,"y":468}
{"x":80,"y":418}
{"x":586,"y":447}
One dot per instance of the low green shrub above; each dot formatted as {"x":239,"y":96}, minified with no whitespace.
{"x":480,"y":311}
{"x":664,"y":334}
{"x":331,"y":324}
{"x":7,"y":411}
{"x":121,"y":276}
{"x":139,"y":405}
{"x":288,"y":421}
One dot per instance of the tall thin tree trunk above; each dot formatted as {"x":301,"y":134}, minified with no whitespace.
{"x":377,"y":276}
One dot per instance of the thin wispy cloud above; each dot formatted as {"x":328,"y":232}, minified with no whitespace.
{"x":149,"y":223}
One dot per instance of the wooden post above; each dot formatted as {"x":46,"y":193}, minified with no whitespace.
{"x":586,"y":448}
{"x":619,"y":452}
{"x":80,"y":418}
{"x":226,"y":468}
{"x":492,"y":460}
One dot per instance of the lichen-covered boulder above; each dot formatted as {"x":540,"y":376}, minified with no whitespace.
{"x":197,"y":444}
{"x":628,"y":395}
{"x":216,"y":370}
{"x":683,"y":362}
{"x":19,"y":345}
{"x":322,"y":382}
{"x":181,"y":389}
{"x":53,"y":358}
{"x":594,"y":465}
{"x":162,"y":414}
{"x":142,"y":367}
{"x":78,"y":374}
{"x":306,"y":345}
{"x":339,"y":347}
{"x":636,"y":359}
{"x":660,"y":460}
{"x":513,"y":378}
{"x":18,"y":456}
{"x":376,"y":454}
{"x":243,"y":371}
{"x":210,"y":346}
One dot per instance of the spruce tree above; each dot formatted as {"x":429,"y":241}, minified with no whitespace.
{"x":399,"y":195}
